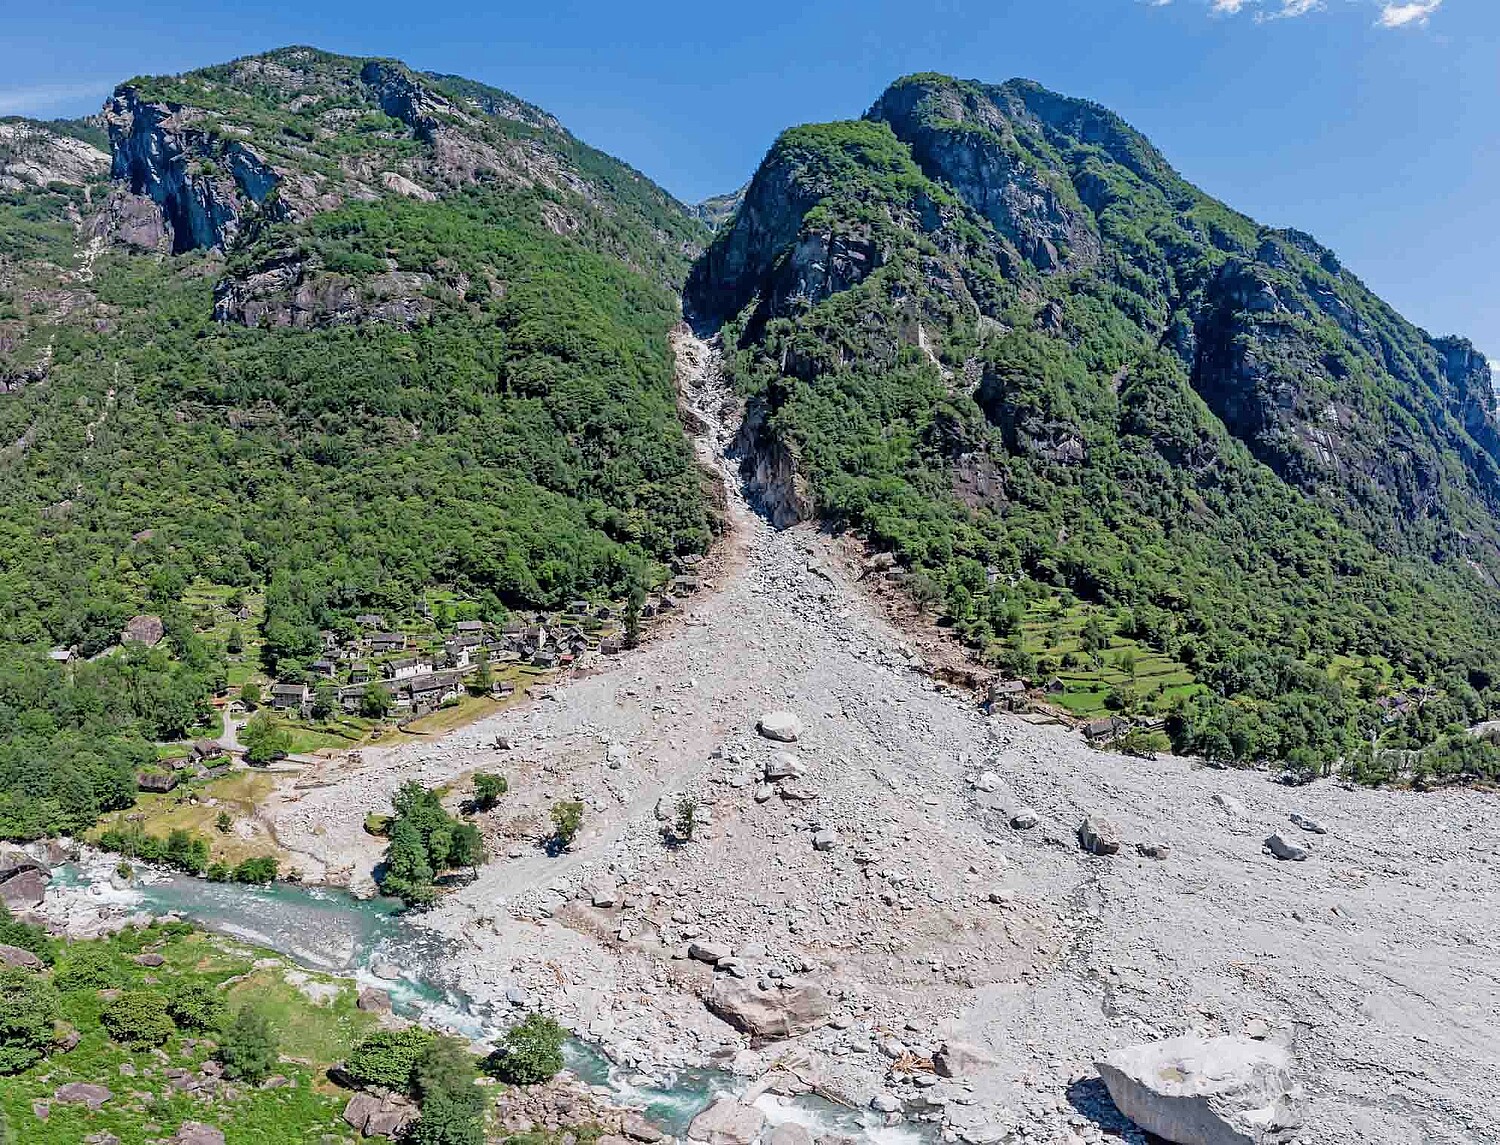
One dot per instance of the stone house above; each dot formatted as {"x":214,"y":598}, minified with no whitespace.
{"x":370,"y":621}
{"x":1007,"y":695}
{"x":290,"y":697}
{"x":408,"y":667}
{"x":387,"y":642}
{"x":469,"y":626}
{"x":1103,"y":730}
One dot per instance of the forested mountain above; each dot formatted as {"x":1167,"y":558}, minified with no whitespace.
{"x":327,"y":326}
{"x":991,"y":328}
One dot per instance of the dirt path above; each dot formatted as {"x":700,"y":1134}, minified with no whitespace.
{"x":1378,"y":959}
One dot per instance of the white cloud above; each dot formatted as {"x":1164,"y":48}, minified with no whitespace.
{"x":45,"y":99}
{"x":1393,"y":13}
{"x":1413,"y":12}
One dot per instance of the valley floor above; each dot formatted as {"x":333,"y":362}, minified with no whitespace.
{"x":931,"y":918}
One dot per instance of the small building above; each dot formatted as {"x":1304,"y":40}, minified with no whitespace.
{"x":360,"y":672}
{"x":370,"y":622}
{"x":1104,"y":730}
{"x":387,"y":642}
{"x":578,"y":608}
{"x":408,"y":667}
{"x":1056,"y":686}
{"x":60,"y":655}
{"x":685,"y":585}
{"x":324,"y":667}
{"x":544,"y":658}
{"x":475,"y":626}
{"x":206,"y":749}
{"x":611,"y":645}
{"x":158,"y":782}
{"x":455,"y":654}
{"x":1007,"y":695}
{"x":290,"y":697}
{"x":330,"y":639}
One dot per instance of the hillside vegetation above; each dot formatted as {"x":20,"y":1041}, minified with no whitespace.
{"x":329,"y":329}
{"x":996,"y":334}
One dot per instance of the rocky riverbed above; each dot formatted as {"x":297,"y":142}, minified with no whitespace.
{"x":902,"y":889}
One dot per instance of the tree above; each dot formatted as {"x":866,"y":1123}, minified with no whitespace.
{"x":89,"y":968}
{"x":139,"y":1019}
{"x":250,"y":694}
{"x":488,"y":788}
{"x":567,"y":818}
{"x":248,"y":1047}
{"x":325,"y":699}
{"x":223,"y":821}
{"x":374,"y":702}
{"x":28,"y":1009}
{"x":388,"y":1058}
{"x":529,"y":1053}
{"x":234,"y":642}
{"x":633,"y":616}
{"x":465,"y":846}
{"x":264,"y":739}
{"x":686,"y":818}
{"x":483,"y":676}
{"x":447,"y":1120}
{"x":196,"y":1006}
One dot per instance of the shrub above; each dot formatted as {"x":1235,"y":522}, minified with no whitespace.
{"x":138,"y":1019}
{"x":567,"y":818}
{"x":28,"y":1007}
{"x":488,"y":789}
{"x":247,"y":1048}
{"x":196,"y":1006}
{"x":14,"y":932}
{"x":89,"y":968}
{"x":528,"y":1053}
{"x":387,"y":1058}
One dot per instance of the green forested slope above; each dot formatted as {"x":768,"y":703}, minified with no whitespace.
{"x":303,"y":342}
{"x":1001,"y":337}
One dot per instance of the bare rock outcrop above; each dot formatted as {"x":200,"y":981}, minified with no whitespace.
{"x":1196,"y":1090}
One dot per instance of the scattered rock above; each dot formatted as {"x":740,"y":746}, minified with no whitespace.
{"x":1098,"y":836}
{"x":150,"y":960}
{"x":1308,"y":823}
{"x":196,"y":1133}
{"x":727,"y":1122}
{"x":825,"y":840}
{"x":988,"y":781}
{"x":768,"y":1013}
{"x":374,"y":1001}
{"x":784,"y":765}
{"x":784,"y":727}
{"x":380,"y":1117}
{"x":1154,"y":850}
{"x":1196,"y":1090}
{"x":637,"y":1128}
{"x":1024,"y":818}
{"x":1282,"y":848}
{"x":886,"y":1103}
{"x":711,"y":952}
{"x":15,"y":956}
{"x":788,"y":1133}
{"x":961,"y":1059}
{"x":82,"y":1093}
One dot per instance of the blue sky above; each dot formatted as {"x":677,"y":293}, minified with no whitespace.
{"x":1373,"y":124}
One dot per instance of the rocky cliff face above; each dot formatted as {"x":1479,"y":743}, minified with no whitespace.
{"x":33,"y":156}
{"x":984,"y":206}
{"x":207,"y":187}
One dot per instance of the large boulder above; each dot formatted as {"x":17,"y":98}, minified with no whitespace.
{"x":15,"y":956}
{"x":961,"y":1059}
{"x":780,"y":1012}
{"x":1283,"y":848}
{"x":1197,"y":1090}
{"x":196,"y":1133}
{"x":727,"y":1122}
{"x":82,"y":1093}
{"x":1098,"y":836}
{"x":23,"y":890}
{"x":784,"y":727}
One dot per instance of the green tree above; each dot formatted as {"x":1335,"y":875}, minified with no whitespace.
{"x":325,"y":699}
{"x":89,"y":968}
{"x":374,"y":702}
{"x":248,"y":1046}
{"x":483,"y":677}
{"x":28,"y":1009}
{"x":633,"y":606}
{"x":234,"y":641}
{"x":567,"y":818}
{"x":388,"y":1058}
{"x":686,"y":818}
{"x":223,"y":822}
{"x":250,"y":694}
{"x":264,"y":739}
{"x":196,"y":1005}
{"x":139,"y":1019}
{"x":488,"y":788}
{"x":529,"y":1053}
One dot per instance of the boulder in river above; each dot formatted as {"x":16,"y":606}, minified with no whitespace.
{"x":1197,"y":1090}
{"x":727,"y":1122}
